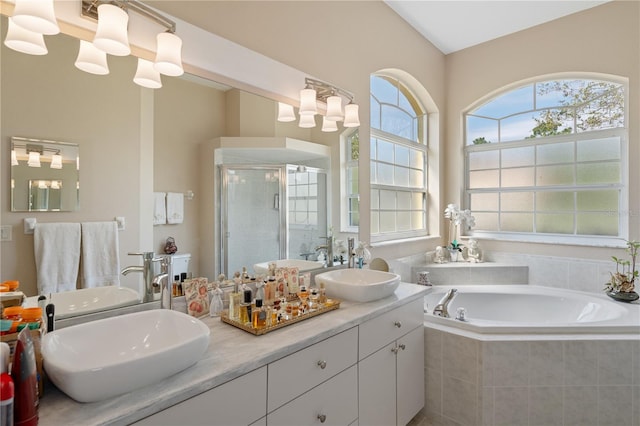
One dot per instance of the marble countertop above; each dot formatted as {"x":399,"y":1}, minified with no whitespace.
{"x":231,"y":353}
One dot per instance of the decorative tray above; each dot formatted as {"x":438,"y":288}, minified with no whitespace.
{"x":331,"y":305}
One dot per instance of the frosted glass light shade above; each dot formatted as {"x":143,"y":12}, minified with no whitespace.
{"x":334,"y":108}
{"x":91,"y":59}
{"x":169,"y":55}
{"x":111,"y":36}
{"x":285,"y":112}
{"x":56,"y":161}
{"x":307,"y":121}
{"x":14,"y":158}
{"x":351,"y":118}
{"x":24,"y":41}
{"x":308,"y":102}
{"x":328,"y":125}
{"x":146,"y":75}
{"x":34,"y":159}
{"x":55,"y":184}
{"x":37,"y":16}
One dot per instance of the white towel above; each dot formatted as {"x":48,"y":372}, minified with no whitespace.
{"x":175,"y":207}
{"x":100,"y":254}
{"x":159,"y":208}
{"x":56,"y":248}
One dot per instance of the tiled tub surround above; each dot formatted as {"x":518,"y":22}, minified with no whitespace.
{"x":549,"y":271}
{"x":540,"y":380}
{"x":232,"y":353}
{"x":512,"y":368}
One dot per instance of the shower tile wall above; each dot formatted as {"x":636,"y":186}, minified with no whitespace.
{"x":560,"y":382}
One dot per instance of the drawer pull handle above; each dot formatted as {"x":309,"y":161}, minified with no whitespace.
{"x":394,"y":350}
{"x":322,"y":418}
{"x":322,"y":364}
{"x":402,"y":346}
{"x":397,"y":324}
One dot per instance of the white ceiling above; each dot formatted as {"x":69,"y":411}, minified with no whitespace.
{"x":453,"y":25}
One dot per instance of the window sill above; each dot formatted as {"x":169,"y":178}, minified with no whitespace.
{"x":573,"y":240}
{"x":387,"y":243}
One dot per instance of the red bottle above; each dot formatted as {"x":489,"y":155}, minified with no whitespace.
{"x":6,"y":388}
{"x":24,"y":374}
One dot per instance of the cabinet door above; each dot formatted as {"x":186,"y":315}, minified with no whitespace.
{"x":410,"y":375}
{"x":377,"y":388}
{"x":334,"y":402}
{"x":238,"y":402}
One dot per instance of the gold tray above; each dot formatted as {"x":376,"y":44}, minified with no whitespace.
{"x":224,"y":317}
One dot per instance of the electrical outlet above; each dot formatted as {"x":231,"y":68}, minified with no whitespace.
{"x":5,"y":233}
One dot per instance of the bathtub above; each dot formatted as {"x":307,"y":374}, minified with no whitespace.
{"x":528,"y":309}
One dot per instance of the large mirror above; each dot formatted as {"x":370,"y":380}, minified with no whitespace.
{"x":45,"y":175}
{"x":138,"y":141}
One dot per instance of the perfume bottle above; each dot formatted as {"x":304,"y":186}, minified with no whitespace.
{"x":244,"y":315}
{"x":259,"y":315}
{"x":269,"y":291}
{"x":234,"y":302}
{"x":322,"y":297}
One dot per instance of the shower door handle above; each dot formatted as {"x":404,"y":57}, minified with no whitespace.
{"x":276,"y":202}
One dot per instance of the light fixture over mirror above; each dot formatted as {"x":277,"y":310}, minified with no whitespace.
{"x":33,"y":18}
{"x":318,"y":91}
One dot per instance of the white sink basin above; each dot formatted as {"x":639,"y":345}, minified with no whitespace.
{"x":358,"y":285}
{"x":302,"y":265}
{"x":88,"y":300}
{"x":104,"y":358}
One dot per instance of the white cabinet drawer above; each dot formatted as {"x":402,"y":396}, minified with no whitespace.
{"x":239,"y":402}
{"x":334,"y":402}
{"x":389,"y":326}
{"x":299,"y":372}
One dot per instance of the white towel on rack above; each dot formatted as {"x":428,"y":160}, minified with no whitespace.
{"x":175,"y":207}
{"x":159,"y":208}
{"x":56,"y":248}
{"x":100,"y":254}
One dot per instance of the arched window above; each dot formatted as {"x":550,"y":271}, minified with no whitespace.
{"x":547,"y":162}
{"x":398,"y":161}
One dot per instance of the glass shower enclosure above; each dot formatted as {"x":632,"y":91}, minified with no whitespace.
{"x":271,"y":212}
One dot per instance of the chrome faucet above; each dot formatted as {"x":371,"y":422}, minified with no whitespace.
{"x":442,"y":308}
{"x":147,"y":272}
{"x":329,"y":250}
{"x":351,"y":245}
{"x":163,"y":280}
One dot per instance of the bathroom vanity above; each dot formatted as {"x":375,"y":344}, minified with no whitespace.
{"x":359,"y":362}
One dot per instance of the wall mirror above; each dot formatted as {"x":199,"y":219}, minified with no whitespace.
{"x":104,"y":113}
{"x":45,"y":175}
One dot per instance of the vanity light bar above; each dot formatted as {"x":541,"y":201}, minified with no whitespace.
{"x":90,"y":10}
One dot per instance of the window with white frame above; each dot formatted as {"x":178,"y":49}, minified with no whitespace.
{"x":398,"y":161}
{"x":547,"y":162}
{"x":351,"y":155}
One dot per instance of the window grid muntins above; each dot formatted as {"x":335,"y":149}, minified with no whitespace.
{"x":352,"y":189}
{"x":303,"y":198}
{"x":568,"y":179}
{"x":398,"y":161}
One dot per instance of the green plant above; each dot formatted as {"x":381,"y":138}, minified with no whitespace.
{"x":481,"y":140}
{"x":626,"y":273}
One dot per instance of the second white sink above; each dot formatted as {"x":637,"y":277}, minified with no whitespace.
{"x":302,"y":265}
{"x":104,"y":358}
{"x":358,"y":285}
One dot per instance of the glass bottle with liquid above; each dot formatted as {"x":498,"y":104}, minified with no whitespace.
{"x":234,"y":302}
{"x":259,"y":315}
{"x":244,"y":314}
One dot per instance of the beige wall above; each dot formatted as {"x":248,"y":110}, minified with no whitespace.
{"x":102,"y":114}
{"x":604,"y":39}
{"x":186,"y":115}
{"x":342,"y":42}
